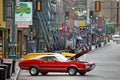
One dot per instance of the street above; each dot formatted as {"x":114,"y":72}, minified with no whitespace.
{"x":107,"y":61}
{"x":90,"y":28}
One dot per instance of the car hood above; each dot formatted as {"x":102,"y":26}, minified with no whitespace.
{"x":80,"y":53}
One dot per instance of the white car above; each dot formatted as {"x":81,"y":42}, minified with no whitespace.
{"x":116,"y":37}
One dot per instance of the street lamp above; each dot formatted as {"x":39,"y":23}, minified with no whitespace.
{"x":118,"y":29}
{"x":13,"y":53}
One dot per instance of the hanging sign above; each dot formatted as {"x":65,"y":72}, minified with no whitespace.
{"x":23,"y":13}
{"x":99,"y":23}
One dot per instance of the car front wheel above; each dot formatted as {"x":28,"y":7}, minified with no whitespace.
{"x":72,"y":71}
{"x":34,"y":71}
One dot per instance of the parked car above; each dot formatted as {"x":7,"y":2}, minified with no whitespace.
{"x":56,"y":63}
{"x":115,"y":37}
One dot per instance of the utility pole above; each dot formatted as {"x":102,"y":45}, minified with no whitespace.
{"x":64,"y":25}
{"x":89,"y":21}
{"x":88,"y":10}
{"x":13,"y":53}
{"x":118,"y":29}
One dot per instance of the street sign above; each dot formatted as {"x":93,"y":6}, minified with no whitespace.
{"x":58,"y":25}
{"x":82,"y":23}
{"x":7,"y":60}
{"x":12,"y":45}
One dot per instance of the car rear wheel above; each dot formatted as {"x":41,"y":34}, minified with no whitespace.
{"x":44,"y":73}
{"x":82,"y":73}
{"x":72,"y":71}
{"x":34,"y":71}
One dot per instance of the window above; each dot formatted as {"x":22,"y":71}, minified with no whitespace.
{"x":9,"y":9}
{"x":48,"y":58}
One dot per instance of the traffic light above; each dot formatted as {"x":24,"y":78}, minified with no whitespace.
{"x":97,"y":6}
{"x":31,"y":31}
{"x":66,"y":14}
{"x":91,"y":14}
{"x":38,"y":5}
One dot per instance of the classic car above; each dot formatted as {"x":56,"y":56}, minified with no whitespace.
{"x":56,"y":63}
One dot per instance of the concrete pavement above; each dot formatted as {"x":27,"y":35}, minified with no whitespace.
{"x":14,"y":76}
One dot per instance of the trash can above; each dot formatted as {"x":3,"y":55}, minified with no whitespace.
{"x":1,"y":74}
{"x":1,"y":60}
{"x":5,"y":67}
{"x":8,"y":62}
{"x":8,"y":70}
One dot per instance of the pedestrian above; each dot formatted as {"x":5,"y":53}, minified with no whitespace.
{"x":32,"y":48}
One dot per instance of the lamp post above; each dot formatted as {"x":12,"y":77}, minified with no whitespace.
{"x":105,"y":25}
{"x":117,"y":20}
{"x":13,"y":45}
{"x":64,"y":25}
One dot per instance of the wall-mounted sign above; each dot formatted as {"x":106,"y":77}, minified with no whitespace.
{"x":23,"y":24}
{"x":7,"y":60}
{"x":23,"y":13}
{"x":82,"y":24}
{"x":1,"y":10}
{"x":2,"y":24}
{"x":81,"y":10}
{"x":100,"y":21}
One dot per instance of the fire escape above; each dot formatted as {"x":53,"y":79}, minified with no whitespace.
{"x":46,"y":30}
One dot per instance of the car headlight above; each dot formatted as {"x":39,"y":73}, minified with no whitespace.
{"x":87,"y":66}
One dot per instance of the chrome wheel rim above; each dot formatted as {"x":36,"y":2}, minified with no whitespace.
{"x":33,"y":70}
{"x":71,"y":71}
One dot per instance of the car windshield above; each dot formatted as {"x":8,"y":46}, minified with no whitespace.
{"x":61,"y":58}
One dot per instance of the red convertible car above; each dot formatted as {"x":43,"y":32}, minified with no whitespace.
{"x":55,"y":63}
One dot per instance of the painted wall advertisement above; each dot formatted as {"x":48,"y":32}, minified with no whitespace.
{"x":23,"y":14}
{"x":80,"y":13}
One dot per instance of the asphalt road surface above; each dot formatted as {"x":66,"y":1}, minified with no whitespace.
{"x":107,"y":60}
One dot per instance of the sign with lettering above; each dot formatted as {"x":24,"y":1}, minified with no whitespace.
{"x":99,"y":25}
{"x":7,"y":60}
{"x":2,"y":24}
{"x":23,"y":13}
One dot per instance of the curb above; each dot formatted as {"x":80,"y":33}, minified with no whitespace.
{"x":95,"y":49}
{"x":17,"y":74}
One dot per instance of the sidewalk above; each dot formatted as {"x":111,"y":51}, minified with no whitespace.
{"x":15,"y":75}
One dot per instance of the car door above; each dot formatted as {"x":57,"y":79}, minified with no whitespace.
{"x":52,"y":65}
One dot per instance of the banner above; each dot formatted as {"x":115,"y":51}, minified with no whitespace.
{"x":23,"y":13}
{"x":99,"y":23}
